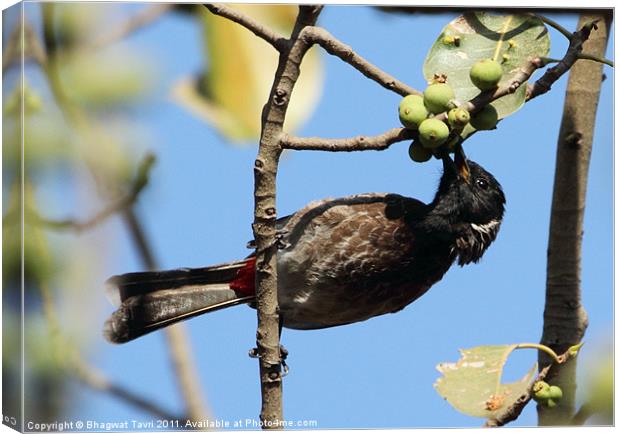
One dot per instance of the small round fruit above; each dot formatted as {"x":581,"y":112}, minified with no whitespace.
{"x":550,"y":403}
{"x":555,"y":393}
{"x":437,"y":97}
{"x":458,"y":118}
{"x":411,"y":111}
{"x":485,"y":74}
{"x":419,"y":153}
{"x":485,"y":119}
{"x":433,"y":133}
{"x":541,"y":391}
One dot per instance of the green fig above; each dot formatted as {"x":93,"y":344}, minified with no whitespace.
{"x":433,"y":133}
{"x":437,"y":97}
{"x":485,"y":119}
{"x":541,"y":391}
{"x":411,"y":111}
{"x":555,"y":393}
{"x":458,"y":118}
{"x":550,"y":403}
{"x":485,"y":74}
{"x":419,"y":153}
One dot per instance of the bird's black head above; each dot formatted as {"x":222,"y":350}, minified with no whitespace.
{"x":468,"y":207}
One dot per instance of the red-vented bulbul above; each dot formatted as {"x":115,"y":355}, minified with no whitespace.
{"x":339,"y":261}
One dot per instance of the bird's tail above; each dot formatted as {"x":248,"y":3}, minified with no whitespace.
{"x":155,"y":299}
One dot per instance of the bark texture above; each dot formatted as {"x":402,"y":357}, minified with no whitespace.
{"x":565,"y":319}
{"x":265,"y":170}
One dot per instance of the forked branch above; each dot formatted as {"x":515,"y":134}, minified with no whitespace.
{"x":320,"y":36}
{"x":114,"y":207}
{"x":264,"y":32}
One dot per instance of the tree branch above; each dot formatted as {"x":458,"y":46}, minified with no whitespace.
{"x":565,"y":319}
{"x":320,"y":36}
{"x":383,"y":141}
{"x":512,"y":412}
{"x":97,"y":381}
{"x":176,"y":335}
{"x":588,"y":56}
{"x":22,"y":43}
{"x":264,"y":226}
{"x":543,"y":84}
{"x":359,"y":143}
{"x":575,"y":47}
{"x":76,"y":116}
{"x":142,"y":18}
{"x":118,"y":205}
{"x":585,"y":412}
{"x":551,"y":23}
{"x":265,"y":33}
{"x":70,"y":359}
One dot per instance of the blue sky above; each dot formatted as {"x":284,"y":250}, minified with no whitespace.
{"x":380,"y":373}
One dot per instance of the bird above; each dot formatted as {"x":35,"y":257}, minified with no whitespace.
{"x":339,"y":261}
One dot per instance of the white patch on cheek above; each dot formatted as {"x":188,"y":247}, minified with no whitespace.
{"x":485,"y":228}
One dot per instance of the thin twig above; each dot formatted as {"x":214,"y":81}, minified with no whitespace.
{"x":68,"y":357}
{"x":563,"y":30}
{"x":97,"y":381}
{"x":320,"y":36}
{"x":77,"y":117}
{"x":512,"y":412}
{"x":543,"y":84}
{"x":587,"y":56}
{"x":585,"y":412}
{"x":22,"y":43}
{"x":142,"y":18}
{"x":265,"y":33}
{"x":359,"y":143}
{"x":176,"y":335}
{"x":112,"y":208}
{"x":551,"y":75}
{"x":383,"y":141}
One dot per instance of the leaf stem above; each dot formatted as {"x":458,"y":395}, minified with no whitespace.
{"x":543,"y":348}
{"x":563,"y":30}
{"x":548,"y":60}
{"x":586,"y":56}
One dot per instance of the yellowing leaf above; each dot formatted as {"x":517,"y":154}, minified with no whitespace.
{"x":240,"y":70}
{"x":473,"y":384}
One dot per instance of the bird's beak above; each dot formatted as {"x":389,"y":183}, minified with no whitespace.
{"x":459,"y":167}
{"x":460,"y":161}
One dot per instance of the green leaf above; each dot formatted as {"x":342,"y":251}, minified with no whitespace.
{"x":473,"y":384}
{"x":481,"y":35}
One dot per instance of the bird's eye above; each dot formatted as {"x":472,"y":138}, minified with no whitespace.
{"x":482,"y":183}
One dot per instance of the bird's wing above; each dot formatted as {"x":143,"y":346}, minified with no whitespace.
{"x":349,"y":259}
{"x":365,"y":234}
{"x":330,"y":212}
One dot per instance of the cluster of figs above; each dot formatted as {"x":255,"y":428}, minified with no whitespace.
{"x":545,"y":394}
{"x":418,"y":112}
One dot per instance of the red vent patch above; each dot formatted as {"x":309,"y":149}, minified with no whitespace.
{"x":243,"y":282}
